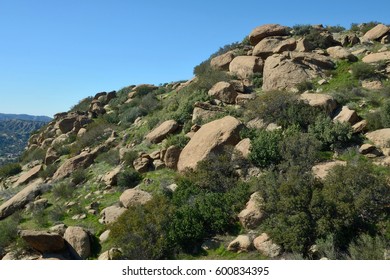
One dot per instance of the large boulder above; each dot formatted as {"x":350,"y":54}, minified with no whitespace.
{"x":265,"y":246}
{"x":111,"y":178}
{"x":29,"y":175}
{"x":82,"y":160}
{"x":51,"y":156}
{"x":171,"y":157}
{"x":22,"y":198}
{"x":252,"y":215}
{"x":242,"y":243}
{"x":203,"y":111}
{"x":380,"y":138}
{"x":245,"y":66}
{"x":377,"y":32}
{"x":347,"y":115}
{"x":339,"y":52}
{"x":242,"y":149}
{"x":285,"y":71}
{"x":223,"y":91}
{"x":111,"y":214}
{"x":272,"y":45}
{"x":162,"y":131}
{"x":210,"y":138}
{"x":79,"y":241}
{"x":132,"y":197}
{"x":377,"y":57}
{"x":324,"y":101}
{"x":66,"y":124}
{"x":267,"y":30}
{"x":321,"y":170}
{"x":222,"y":61}
{"x":43,"y":241}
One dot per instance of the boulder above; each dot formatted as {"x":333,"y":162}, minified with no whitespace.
{"x":111,"y":178}
{"x":132,"y":197}
{"x":158,"y":164}
{"x":22,"y":198}
{"x":203,"y":111}
{"x":372,"y":85}
{"x":223,"y":91}
{"x":360,"y":126}
{"x":245,"y":66}
{"x":59,"y":229}
{"x":266,"y":47}
{"x":210,"y":138}
{"x":142,"y":164}
{"x":347,"y":115}
{"x":367,"y":149}
{"x":162,"y":131}
{"x":43,"y":241}
{"x":286,"y":45}
{"x":377,"y":57}
{"x":252,"y":215}
{"x":321,"y":170}
{"x":304,"y":45}
{"x":285,"y":71}
{"x":29,"y":175}
{"x":171,"y":157}
{"x":242,"y":149}
{"x":51,"y":156}
{"x":66,"y":124}
{"x":324,"y":101}
{"x":385,"y":39}
{"x":380,"y":138}
{"x":256,"y":123}
{"x":242,"y":243}
{"x":82,"y":160}
{"x":265,"y":246}
{"x":377,"y":32}
{"x":339,"y":52}
{"x":79,"y":241}
{"x":111,"y":214}
{"x":222,"y":61}
{"x":267,"y":30}
{"x":242,"y":99}
{"x":112,"y":254}
{"x":104,"y":236}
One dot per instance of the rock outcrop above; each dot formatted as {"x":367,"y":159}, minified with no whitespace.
{"x":79,"y":241}
{"x":132,"y":197}
{"x":267,"y":30}
{"x":252,"y":215}
{"x":42,"y":241}
{"x":245,"y":66}
{"x":224,"y":92}
{"x":162,"y":131}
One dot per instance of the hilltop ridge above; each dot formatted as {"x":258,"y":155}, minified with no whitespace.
{"x":278,"y":148}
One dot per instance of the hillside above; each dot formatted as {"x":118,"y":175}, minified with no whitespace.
{"x":15,"y":130}
{"x":278,"y":148}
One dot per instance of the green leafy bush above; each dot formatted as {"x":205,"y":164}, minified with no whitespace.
{"x":264,"y":149}
{"x":178,"y":140}
{"x":49,"y":171}
{"x":8,"y":232}
{"x":63,"y":190}
{"x":83,"y":105}
{"x":111,"y":157}
{"x":128,"y":178}
{"x":367,"y":247}
{"x":35,"y":154}
{"x":363,"y":71}
{"x":79,"y":176}
{"x":10,"y":169}
{"x":129,"y":157}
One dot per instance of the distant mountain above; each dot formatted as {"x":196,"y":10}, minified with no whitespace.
{"x":24,"y":117}
{"x":14,"y":133}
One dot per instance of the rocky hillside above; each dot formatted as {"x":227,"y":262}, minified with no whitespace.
{"x":15,"y":130}
{"x":278,"y":148}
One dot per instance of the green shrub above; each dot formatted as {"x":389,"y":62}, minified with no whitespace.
{"x":363,"y":71}
{"x":83,"y":105}
{"x":142,"y":231}
{"x":178,"y":140}
{"x":79,"y":176}
{"x":8,"y":232}
{"x":129,"y":157}
{"x":264,"y":149}
{"x":143,"y":90}
{"x":335,"y":28}
{"x":10,"y":169}
{"x":111,"y":157}
{"x":257,"y":80}
{"x":367,"y":247}
{"x":35,"y":154}
{"x":128,"y":178}
{"x":330,"y":134}
{"x":63,"y":190}
{"x":304,"y":86}
{"x":49,"y":171}
{"x":385,"y":114}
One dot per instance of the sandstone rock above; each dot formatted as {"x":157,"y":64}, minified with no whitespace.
{"x":265,"y":246}
{"x":372,"y":85}
{"x":304,"y":45}
{"x":242,"y":243}
{"x":142,"y":164}
{"x":51,"y":156}
{"x":162,"y":131}
{"x":81,"y":132}
{"x":132,"y":197}
{"x":111,"y":214}
{"x":366,"y":149}
{"x":266,"y":47}
{"x":60,"y":140}
{"x":385,"y":39}
{"x":286,"y":45}
{"x":155,"y":155}
{"x":324,"y":101}
{"x":321,"y":170}
{"x":223,"y":91}
{"x":158,"y":164}
{"x":261,"y":32}
{"x":112,"y":254}
{"x":42,"y":241}
{"x":222,"y":62}
{"x":245,"y":66}
{"x":172,"y":157}
{"x":210,"y":138}
{"x":347,"y":115}
{"x":380,"y":138}
{"x":377,"y":57}
{"x":238,"y":85}
{"x":242,"y":99}
{"x":66,"y":124}
{"x":377,"y":32}
{"x":252,"y":215}
{"x":256,"y":123}
{"x":22,"y":198}
{"x":360,"y":126}
{"x":204,"y":111}
{"x":59,"y":229}
{"x":79,"y":241}
{"x":29,"y":175}
{"x":111,"y":178}
{"x":82,"y":160}
{"x":243,"y":148}
{"x":339,"y":52}
{"x":104,"y":236}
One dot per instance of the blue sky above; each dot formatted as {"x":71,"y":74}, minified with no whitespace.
{"x":54,"y":53}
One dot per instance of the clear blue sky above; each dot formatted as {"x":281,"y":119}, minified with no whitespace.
{"x":53,"y":53}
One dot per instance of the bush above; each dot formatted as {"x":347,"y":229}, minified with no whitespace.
{"x":111,"y":157}
{"x":330,"y":134}
{"x":79,"y":176}
{"x":49,"y":171}
{"x":363,"y":71}
{"x":385,"y":114}
{"x":83,"y":105}
{"x":304,"y":86}
{"x":264,"y":149}
{"x":142,"y":231}
{"x":178,"y":140}
{"x":63,"y":190}
{"x":128,"y":178}
{"x":129,"y":157}
{"x":36,"y":154}
{"x":10,"y":169}
{"x":367,"y":247}
{"x":8,"y":232}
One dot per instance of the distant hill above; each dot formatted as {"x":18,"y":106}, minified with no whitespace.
{"x":14,"y":133}
{"x":24,"y":117}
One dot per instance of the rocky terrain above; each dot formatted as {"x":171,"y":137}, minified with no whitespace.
{"x":278,"y":148}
